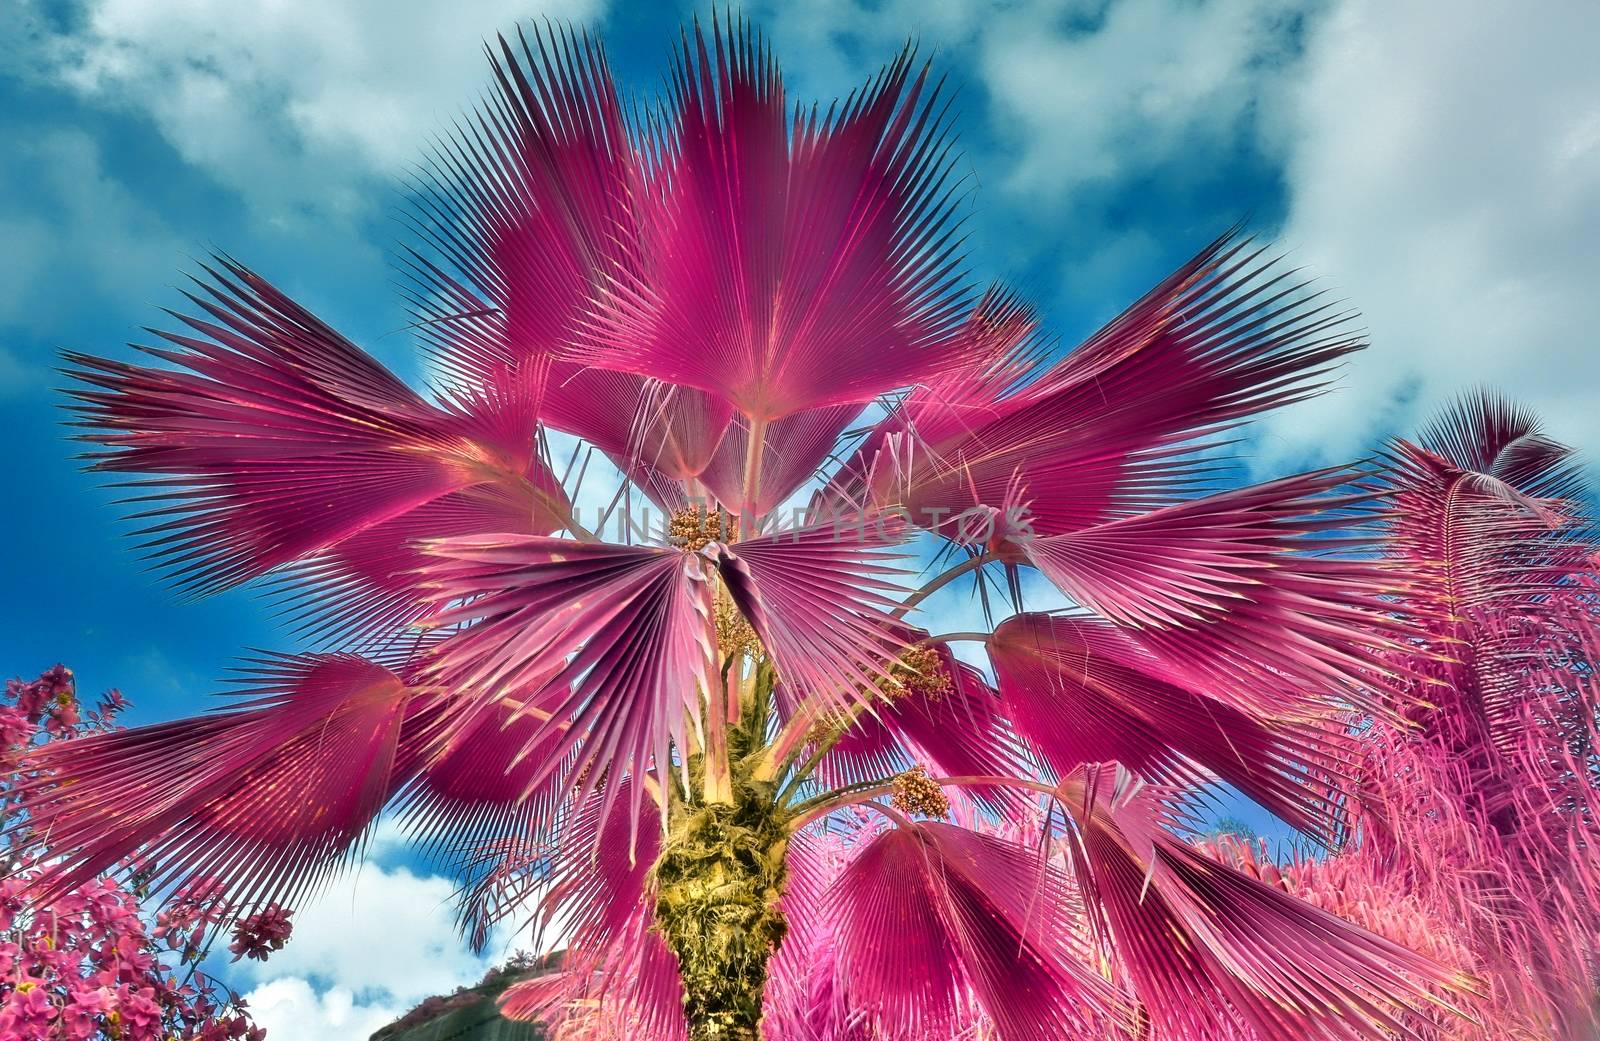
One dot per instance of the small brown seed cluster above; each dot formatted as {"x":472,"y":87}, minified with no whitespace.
{"x":831,"y":725}
{"x":735,"y":635}
{"x":916,"y":793}
{"x":695,"y":527}
{"x":920,"y":672}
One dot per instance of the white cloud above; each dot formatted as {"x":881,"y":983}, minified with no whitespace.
{"x":291,"y":1009}
{"x":1078,"y":93}
{"x":290,"y":103}
{"x":1095,"y":99}
{"x":379,"y":932}
{"x":368,"y":949}
{"x":1444,"y":174}
{"x":74,"y":236}
{"x":1082,"y":102}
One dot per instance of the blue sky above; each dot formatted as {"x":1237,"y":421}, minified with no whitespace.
{"x":1438,"y":165}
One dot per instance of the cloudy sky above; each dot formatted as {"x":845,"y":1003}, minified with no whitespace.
{"x":1437,"y":164}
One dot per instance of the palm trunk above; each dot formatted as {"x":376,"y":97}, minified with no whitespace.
{"x":718,"y":881}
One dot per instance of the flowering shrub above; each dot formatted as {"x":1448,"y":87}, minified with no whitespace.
{"x":258,"y":935}
{"x":87,"y":965}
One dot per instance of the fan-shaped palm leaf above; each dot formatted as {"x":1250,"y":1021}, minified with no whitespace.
{"x":263,"y":799}
{"x":1084,"y":691}
{"x":1110,"y":428}
{"x":817,"y":596}
{"x":628,"y":627}
{"x":1208,"y":945}
{"x":1237,"y":590}
{"x":282,"y":439}
{"x":786,"y":267}
{"x":930,"y":916}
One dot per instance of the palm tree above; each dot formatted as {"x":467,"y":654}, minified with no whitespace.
{"x":1479,"y":798}
{"x":652,"y":737}
{"x":1482,"y":791}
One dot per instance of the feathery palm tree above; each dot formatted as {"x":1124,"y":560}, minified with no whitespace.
{"x":1482,"y":792}
{"x":1479,"y":799}
{"x":652,"y":738}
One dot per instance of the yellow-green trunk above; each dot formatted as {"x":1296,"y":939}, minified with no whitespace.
{"x":718,"y":882}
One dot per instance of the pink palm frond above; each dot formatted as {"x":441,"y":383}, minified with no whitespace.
{"x":530,"y":206}
{"x":788,"y":266}
{"x":818,"y":598}
{"x":599,"y":883}
{"x":475,"y":800}
{"x":629,"y":991}
{"x":1483,"y":805}
{"x":999,"y":348}
{"x":1083,"y":691}
{"x":804,"y":998}
{"x":263,"y":799}
{"x":629,"y":625}
{"x":496,"y":881}
{"x":1486,"y":435}
{"x":370,"y":585}
{"x":280,"y":440}
{"x":1208,"y":945}
{"x":946,"y":716}
{"x":528,"y":212}
{"x":1239,"y":591}
{"x":1113,"y":427}
{"x":482,"y":762}
{"x":1483,"y":505}
{"x":930,"y":916}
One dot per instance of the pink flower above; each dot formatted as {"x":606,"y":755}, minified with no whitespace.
{"x":62,"y":718}
{"x":138,"y":1010}
{"x":83,"y":1013}
{"x":14,"y":727}
{"x":258,"y":935}
{"x":27,"y":1010}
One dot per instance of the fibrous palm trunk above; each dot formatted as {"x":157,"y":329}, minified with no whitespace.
{"x":718,"y":884}
{"x":718,"y":881}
